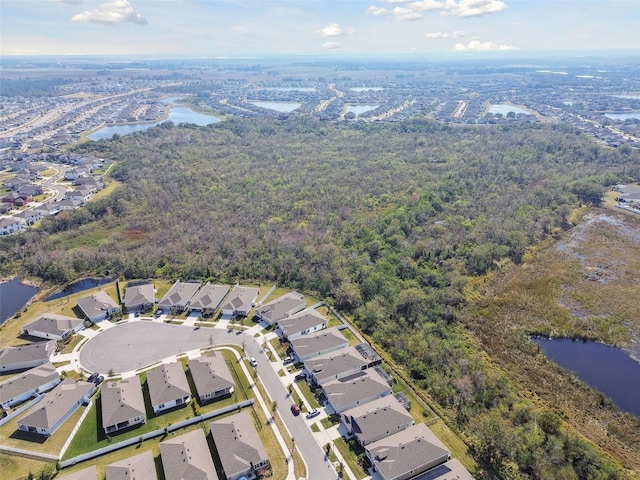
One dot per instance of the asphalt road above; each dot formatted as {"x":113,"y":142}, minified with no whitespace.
{"x":133,"y":345}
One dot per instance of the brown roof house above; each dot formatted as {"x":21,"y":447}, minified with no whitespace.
{"x":239,"y":447}
{"x":21,"y":387}
{"x":168,"y":387}
{"x":376,"y":419}
{"x":209,"y":298}
{"x":187,"y":457}
{"x":406,"y":454}
{"x":325,"y":341}
{"x":303,"y":323}
{"x":211,"y":377}
{"x":138,"y":467}
{"x":281,"y":307}
{"x":139,"y":297}
{"x":354,"y":390}
{"x":240,"y":301}
{"x":98,"y":306}
{"x":57,"y":406}
{"x":26,"y":356}
{"x":122,"y":405}
{"x":53,"y":327}
{"x":179,"y":296}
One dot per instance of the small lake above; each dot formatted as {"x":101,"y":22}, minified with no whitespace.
{"x":360,"y":109}
{"x":13,"y":296}
{"x":176,"y":115}
{"x":366,"y":89}
{"x":79,"y":286}
{"x":607,"y":369}
{"x":503,"y":108}
{"x":623,"y":116}
{"x":286,"y":107}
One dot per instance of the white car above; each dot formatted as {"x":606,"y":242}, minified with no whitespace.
{"x":253,"y":362}
{"x":313,"y":413}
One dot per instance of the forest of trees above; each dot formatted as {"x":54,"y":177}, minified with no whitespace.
{"x":387,"y":221}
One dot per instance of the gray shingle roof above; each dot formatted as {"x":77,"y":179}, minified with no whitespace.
{"x":187,"y":457}
{"x":377,"y":419}
{"x":241,"y":298}
{"x":53,"y":324}
{"x":451,"y":470}
{"x":139,"y":295}
{"x":96,"y":304}
{"x":209,"y":296}
{"x":355,"y":388}
{"x":274,"y":310}
{"x":27,"y":381}
{"x":121,"y":401}
{"x":89,"y":473}
{"x":313,"y":343}
{"x":335,"y":363}
{"x":167,"y":382}
{"x":238,"y":443}
{"x":39,"y":351}
{"x":210,"y":374}
{"x":179,"y":294}
{"x":302,"y":321}
{"x":138,"y":467}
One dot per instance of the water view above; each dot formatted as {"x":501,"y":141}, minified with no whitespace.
{"x":176,"y":115}
{"x":360,"y":109}
{"x":623,"y":116}
{"x":79,"y":286}
{"x":13,"y":296}
{"x":504,"y":108}
{"x":366,"y":89}
{"x":286,"y":107}
{"x":605,"y":368}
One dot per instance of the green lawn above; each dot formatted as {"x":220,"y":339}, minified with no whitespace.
{"x":350,"y":454}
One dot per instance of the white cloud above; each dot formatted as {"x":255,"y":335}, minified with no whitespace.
{"x":478,"y":46}
{"x":473,"y":8}
{"x":70,"y":2}
{"x":406,"y":14}
{"x":334,"y":30}
{"x":112,"y":13}
{"x":331,"y":46}
{"x":436,"y":35}
{"x":396,"y":1}
{"x":426,"y":5}
{"x":377,"y":11}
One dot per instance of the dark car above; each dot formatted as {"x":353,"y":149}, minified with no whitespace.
{"x":299,"y":377}
{"x":92,"y":377}
{"x":295,"y":409}
{"x":98,"y":380}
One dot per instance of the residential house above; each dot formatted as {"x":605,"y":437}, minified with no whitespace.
{"x":341,"y":363}
{"x":31,"y":190}
{"x":69,"y":204}
{"x":57,"y":406}
{"x":281,"y":308}
{"x":82,"y":194}
{"x":211,"y":377}
{"x":406,"y":454}
{"x":28,"y":217}
{"x":139,"y":297}
{"x":138,"y":467}
{"x":168,"y":387}
{"x":53,"y":326}
{"x":239,"y":447}
{"x":9,"y":226}
{"x":451,"y":470}
{"x":376,"y":419}
{"x":122,"y":405}
{"x":325,"y":341}
{"x":303,"y":323}
{"x":187,"y":456}
{"x":89,"y":473}
{"x":16,"y":198}
{"x":179,"y":296}
{"x":26,"y":356}
{"x":98,"y":306}
{"x":75,"y":173}
{"x":358,"y":389}
{"x":209,"y":298}
{"x":240,"y":301}
{"x":21,"y":387}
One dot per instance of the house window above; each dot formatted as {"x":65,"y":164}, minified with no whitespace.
{"x":161,"y":405}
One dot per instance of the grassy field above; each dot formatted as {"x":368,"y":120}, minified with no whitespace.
{"x":18,"y":468}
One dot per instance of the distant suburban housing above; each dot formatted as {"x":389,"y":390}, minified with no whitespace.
{"x":89,"y":473}
{"x":9,"y":226}
{"x":406,"y":454}
{"x":211,"y":377}
{"x":325,"y":341}
{"x":122,"y":405}
{"x":53,"y":327}
{"x":168,"y":387}
{"x":21,"y":387}
{"x":57,"y":406}
{"x":341,"y":363}
{"x":281,"y":307}
{"x":303,"y":323}
{"x":139,"y":297}
{"x":376,"y":419}
{"x":209,"y":298}
{"x":179,"y":296}
{"x":138,"y":467}
{"x":187,"y":457}
{"x":98,"y":306}
{"x":349,"y":392}
{"x":239,"y":447}
{"x":240,"y":301}
{"x":26,"y":356}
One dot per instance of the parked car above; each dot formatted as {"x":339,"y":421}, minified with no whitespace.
{"x":92,"y":377}
{"x":299,"y":377}
{"x":295,"y":409}
{"x":313,"y":413}
{"x":159,"y":312}
{"x":288,"y":359}
{"x":98,"y":380}
{"x":253,"y":362}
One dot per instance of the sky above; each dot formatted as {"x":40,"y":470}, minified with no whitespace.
{"x":228,"y":28}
